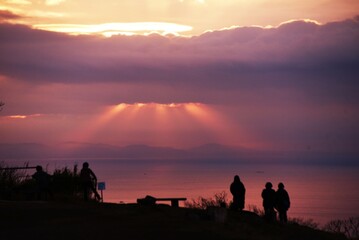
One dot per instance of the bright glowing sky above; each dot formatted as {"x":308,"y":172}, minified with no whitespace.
{"x":182,"y":16}
{"x":279,"y":75}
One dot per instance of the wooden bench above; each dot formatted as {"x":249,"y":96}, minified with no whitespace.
{"x":174,"y":201}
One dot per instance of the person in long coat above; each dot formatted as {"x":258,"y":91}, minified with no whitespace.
{"x":238,"y":191}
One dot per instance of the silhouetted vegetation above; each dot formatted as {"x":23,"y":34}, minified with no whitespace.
{"x":66,"y":183}
{"x":10,"y":177}
{"x":17,"y":184}
{"x":348,"y":227}
{"x":218,"y":200}
{"x":13,"y":182}
{"x":256,"y":210}
{"x":305,"y":222}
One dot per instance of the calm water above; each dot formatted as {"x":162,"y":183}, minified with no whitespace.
{"x":321,"y":193}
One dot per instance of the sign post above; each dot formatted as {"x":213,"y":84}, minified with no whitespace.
{"x":101,"y":186}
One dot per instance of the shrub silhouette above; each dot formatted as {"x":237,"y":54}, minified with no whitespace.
{"x":218,"y":200}
{"x":16,"y":184}
{"x":66,"y":182}
{"x":305,"y":222}
{"x":256,"y":209}
{"x":349,"y":227}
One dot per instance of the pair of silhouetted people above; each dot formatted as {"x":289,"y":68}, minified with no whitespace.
{"x":88,"y":182}
{"x":275,"y":200}
{"x":43,"y":182}
{"x":238,"y":191}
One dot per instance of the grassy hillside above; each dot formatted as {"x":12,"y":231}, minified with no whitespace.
{"x":54,"y":220}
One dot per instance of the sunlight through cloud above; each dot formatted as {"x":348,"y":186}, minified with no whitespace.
{"x":110,"y":29}
{"x":306,"y":20}
{"x":166,"y":119}
{"x":20,"y":2}
{"x":54,"y":2}
{"x":23,"y":116}
{"x":201,"y":1}
{"x":18,"y":117}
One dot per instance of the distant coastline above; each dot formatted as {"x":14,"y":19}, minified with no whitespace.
{"x":208,"y":152}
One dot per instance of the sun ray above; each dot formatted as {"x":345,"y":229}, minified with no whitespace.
{"x":158,"y":124}
{"x":218,"y":128}
{"x":92,"y":126}
{"x":167,"y":120}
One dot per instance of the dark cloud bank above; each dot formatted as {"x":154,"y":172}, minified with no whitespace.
{"x":301,"y":55}
{"x":302,"y":72}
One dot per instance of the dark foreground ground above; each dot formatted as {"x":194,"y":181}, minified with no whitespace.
{"x":54,"y":220}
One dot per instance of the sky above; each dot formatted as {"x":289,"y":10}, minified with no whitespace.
{"x":276,"y":75}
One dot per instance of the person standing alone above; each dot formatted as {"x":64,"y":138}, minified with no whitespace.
{"x":238,"y":191}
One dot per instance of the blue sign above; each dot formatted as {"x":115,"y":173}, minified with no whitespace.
{"x":101,"y":186}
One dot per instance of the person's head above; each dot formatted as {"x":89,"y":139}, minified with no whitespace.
{"x":280,"y":185}
{"x":236,"y":178}
{"x":38,"y":168}
{"x":268,"y":185}
{"x":85,"y":165}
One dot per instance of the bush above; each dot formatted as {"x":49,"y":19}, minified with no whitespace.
{"x":218,"y":200}
{"x":66,"y":182}
{"x":13,"y":182}
{"x":11,"y":177}
{"x":256,"y":210}
{"x":348,"y":227}
{"x":304,"y":222}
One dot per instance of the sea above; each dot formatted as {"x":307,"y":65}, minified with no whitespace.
{"x":317,"y":191}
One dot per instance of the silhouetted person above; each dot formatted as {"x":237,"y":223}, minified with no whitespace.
{"x":282,"y":203}
{"x":238,"y":191}
{"x":43,"y":181}
{"x":268,"y":195}
{"x":88,"y":181}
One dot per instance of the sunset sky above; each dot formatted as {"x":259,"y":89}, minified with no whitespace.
{"x":277,"y":75}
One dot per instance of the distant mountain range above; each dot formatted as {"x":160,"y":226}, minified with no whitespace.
{"x":205,"y":152}
{"x":83,"y":150}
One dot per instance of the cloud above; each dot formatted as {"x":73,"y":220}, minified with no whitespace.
{"x":320,"y":61}
{"x":7,"y":15}
{"x":19,"y":2}
{"x":110,"y":29}
{"x":294,"y":85}
{"x":53,"y":2}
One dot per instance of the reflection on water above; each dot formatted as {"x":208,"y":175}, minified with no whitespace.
{"x":322,"y":193}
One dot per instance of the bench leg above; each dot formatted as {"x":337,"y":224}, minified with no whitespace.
{"x":174,"y":203}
